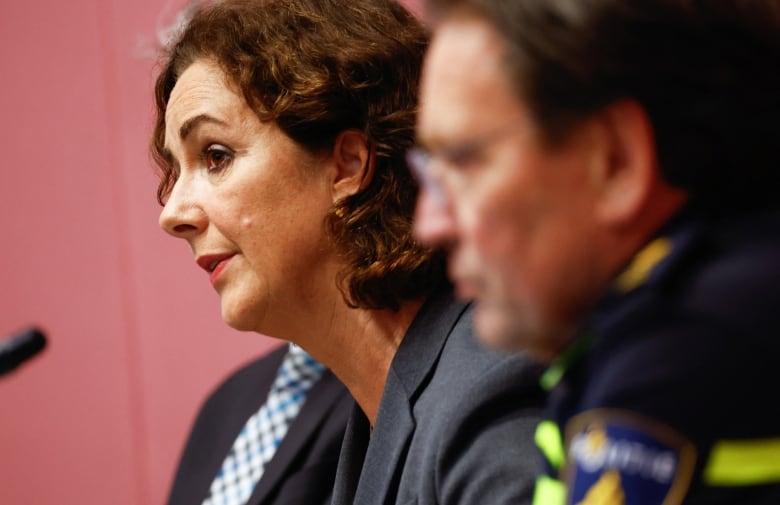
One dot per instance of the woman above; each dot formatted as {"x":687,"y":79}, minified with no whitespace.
{"x":281,"y":132}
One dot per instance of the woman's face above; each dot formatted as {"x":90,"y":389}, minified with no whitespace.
{"x":250,"y":202}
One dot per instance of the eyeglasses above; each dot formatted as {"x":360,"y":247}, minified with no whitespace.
{"x":457,"y":157}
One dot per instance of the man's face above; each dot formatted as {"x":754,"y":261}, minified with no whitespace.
{"x":513,"y":211}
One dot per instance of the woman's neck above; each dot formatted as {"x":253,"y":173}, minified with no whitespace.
{"x":360,"y":346}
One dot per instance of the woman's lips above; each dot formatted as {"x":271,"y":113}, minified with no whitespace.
{"x":218,"y":270}
{"x":214,"y":264}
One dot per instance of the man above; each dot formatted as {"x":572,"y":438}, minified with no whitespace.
{"x":269,"y":434}
{"x":604,"y":174}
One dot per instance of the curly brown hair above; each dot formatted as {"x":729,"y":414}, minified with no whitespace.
{"x":317,"y":68}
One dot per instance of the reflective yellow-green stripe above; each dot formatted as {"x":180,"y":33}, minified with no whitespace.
{"x":552,"y":376}
{"x":744,"y":463}
{"x":549,"y":491}
{"x":548,"y":440}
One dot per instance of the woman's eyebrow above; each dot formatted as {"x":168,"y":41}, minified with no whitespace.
{"x":193,"y":122}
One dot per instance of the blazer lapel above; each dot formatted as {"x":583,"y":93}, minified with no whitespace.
{"x":413,"y":363}
{"x":318,"y":405}
{"x":387,"y":449}
{"x":351,"y":459}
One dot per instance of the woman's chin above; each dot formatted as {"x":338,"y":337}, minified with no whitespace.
{"x":238,"y":325}
{"x":241,"y":319}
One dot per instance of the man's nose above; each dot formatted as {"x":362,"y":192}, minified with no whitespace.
{"x":434,"y":221}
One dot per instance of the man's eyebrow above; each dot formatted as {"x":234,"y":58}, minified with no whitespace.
{"x":191,"y":123}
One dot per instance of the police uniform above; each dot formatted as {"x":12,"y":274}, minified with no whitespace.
{"x":671,"y":392}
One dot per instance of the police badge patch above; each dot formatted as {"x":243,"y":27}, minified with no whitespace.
{"x":620,"y":458}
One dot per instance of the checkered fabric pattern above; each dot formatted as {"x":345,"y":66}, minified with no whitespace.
{"x":264,"y":431}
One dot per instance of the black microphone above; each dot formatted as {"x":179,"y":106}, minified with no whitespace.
{"x":18,"y":348}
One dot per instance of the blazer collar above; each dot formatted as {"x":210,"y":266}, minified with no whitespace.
{"x":419,"y":351}
{"x":413,"y":363}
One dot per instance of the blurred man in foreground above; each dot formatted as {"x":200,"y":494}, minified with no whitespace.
{"x":604,"y":174}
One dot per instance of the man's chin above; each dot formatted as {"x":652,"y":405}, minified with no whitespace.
{"x":495,"y":327}
{"x":510,"y":329}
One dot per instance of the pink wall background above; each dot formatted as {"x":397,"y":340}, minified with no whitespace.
{"x":135,"y":337}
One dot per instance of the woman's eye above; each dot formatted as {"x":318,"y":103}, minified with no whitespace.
{"x":217,"y":158}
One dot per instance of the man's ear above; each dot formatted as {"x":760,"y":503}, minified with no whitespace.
{"x":354,"y":162}
{"x":626,"y":170}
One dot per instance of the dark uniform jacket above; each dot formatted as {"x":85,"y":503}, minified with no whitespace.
{"x":671,"y":395}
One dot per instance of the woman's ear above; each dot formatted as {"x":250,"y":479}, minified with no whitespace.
{"x":626,"y":170}
{"x":354,"y":162}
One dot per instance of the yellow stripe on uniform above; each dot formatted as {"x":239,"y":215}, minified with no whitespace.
{"x":643,"y":263}
{"x":549,"y":491}
{"x":744,"y":463}
{"x":548,"y":439}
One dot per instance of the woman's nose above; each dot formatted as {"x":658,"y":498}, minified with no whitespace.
{"x":182,"y":216}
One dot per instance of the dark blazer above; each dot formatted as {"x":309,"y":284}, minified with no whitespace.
{"x":302,"y":470}
{"x":455,"y":425}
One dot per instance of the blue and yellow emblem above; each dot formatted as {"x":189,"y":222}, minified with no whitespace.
{"x":619,"y":458}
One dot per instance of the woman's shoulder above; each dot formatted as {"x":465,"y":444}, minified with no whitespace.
{"x":469,"y":377}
